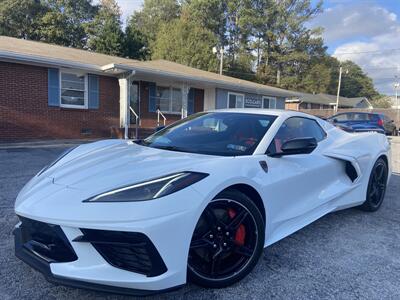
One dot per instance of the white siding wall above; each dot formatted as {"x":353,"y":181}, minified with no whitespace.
{"x":209,"y":98}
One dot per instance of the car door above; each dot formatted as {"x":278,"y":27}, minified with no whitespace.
{"x":300,"y":186}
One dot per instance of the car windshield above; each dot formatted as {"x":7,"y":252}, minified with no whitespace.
{"x":213,"y":133}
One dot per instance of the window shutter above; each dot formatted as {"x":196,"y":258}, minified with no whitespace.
{"x":53,"y":97}
{"x":152,"y":97}
{"x":93,"y":91}
{"x":190,"y":107}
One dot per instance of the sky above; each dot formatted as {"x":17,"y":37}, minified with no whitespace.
{"x":364,"y":31}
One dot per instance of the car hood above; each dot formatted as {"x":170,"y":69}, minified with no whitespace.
{"x":103,"y":166}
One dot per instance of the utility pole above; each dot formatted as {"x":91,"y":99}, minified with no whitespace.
{"x":221,"y":57}
{"x":221,"y":64}
{"x":278,"y":77}
{"x":396,"y":87}
{"x":338,"y":89}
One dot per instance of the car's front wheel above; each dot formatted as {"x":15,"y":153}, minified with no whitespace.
{"x":227,"y":242}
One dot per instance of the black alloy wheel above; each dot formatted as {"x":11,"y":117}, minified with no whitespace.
{"x":376,"y":186}
{"x":227,"y":241}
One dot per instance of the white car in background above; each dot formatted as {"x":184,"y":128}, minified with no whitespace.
{"x":198,"y":200}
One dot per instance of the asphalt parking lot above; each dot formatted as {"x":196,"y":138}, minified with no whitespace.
{"x":345,"y":255}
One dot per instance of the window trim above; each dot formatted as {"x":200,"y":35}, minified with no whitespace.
{"x":86,"y":91}
{"x":312,"y":119}
{"x":269,"y":102}
{"x":236,"y":94}
{"x":171,"y":87}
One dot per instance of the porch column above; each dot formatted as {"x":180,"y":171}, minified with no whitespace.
{"x":185,"y":94}
{"x":124,"y":101}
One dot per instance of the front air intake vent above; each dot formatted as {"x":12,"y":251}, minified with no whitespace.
{"x":351,"y":171}
{"x":131,"y":251}
{"x":47,"y":241}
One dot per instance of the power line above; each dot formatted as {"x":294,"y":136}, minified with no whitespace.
{"x":368,"y":52}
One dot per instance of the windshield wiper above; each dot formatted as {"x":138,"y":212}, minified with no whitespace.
{"x":170,"y":148}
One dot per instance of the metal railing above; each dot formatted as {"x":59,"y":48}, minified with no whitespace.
{"x":136,"y":121}
{"x":159,"y":113}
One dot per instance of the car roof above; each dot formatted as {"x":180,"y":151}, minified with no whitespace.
{"x":263,"y":111}
{"x":357,"y":112}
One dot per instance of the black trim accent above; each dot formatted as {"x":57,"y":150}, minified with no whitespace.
{"x":131,"y":251}
{"x":43,"y":267}
{"x":351,"y":171}
{"x":46,"y":240}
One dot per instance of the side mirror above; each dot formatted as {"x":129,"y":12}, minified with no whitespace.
{"x":159,"y":128}
{"x":297,"y":146}
{"x":334,"y":120}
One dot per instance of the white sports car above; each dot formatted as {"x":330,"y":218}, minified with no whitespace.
{"x":198,"y":200}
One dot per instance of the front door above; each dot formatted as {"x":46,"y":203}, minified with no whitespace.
{"x":299,"y":186}
{"x":134,"y":102}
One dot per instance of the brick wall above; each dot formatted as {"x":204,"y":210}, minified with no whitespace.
{"x":394,"y":114}
{"x":24,"y":113}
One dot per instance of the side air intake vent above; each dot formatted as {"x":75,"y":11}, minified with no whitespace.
{"x":351,"y":171}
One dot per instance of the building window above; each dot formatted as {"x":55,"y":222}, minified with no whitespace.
{"x":169,"y":99}
{"x":73,"y":93}
{"x":269,"y":102}
{"x":235,"y":100}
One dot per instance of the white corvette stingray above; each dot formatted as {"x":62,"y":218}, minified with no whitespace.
{"x":198,"y":200}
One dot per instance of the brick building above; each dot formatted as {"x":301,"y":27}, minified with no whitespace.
{"x":49,"y":91}
{"x":325,"y":101}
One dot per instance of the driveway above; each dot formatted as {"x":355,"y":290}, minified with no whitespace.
{"x":345,"y":255}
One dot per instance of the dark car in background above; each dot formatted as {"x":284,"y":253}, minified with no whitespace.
{"x":364,"y":122}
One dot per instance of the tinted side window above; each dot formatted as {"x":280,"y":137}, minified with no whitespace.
{"x":374,"y":118}
{"x":360,"y":117}
{"x":342,"y":117}
{"x":296,"y":127}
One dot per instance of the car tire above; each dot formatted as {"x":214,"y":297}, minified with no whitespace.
{"x":240,"y":250}
{"x":376,"y":186}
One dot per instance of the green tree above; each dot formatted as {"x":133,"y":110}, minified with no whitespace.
{"x":292,"y":43}
{"x":209,"y":14}
{"x":21,"y":18}
{"x":136,"y":44}
{"x":64,"y":22}
{"x":186,"y":43}
{"x":226,"y":20}
{"x":104,"y":32}
{"x":153,"y":15}
{"x":317,"y":79}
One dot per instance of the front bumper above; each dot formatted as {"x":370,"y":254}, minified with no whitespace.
{"x":168,"y":223}
{"x":43,"y":266}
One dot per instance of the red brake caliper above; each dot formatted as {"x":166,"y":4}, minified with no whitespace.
{"x":240,"y":234}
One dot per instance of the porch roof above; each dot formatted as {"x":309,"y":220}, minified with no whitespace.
{"x":31,"y":52}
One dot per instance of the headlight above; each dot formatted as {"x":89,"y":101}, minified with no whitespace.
{"x":55,"y":161}
{"x":151,"y":189}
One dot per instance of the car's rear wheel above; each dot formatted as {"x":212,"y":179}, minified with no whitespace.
{"x":376,"y":186}
{"x":227,"y":242}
